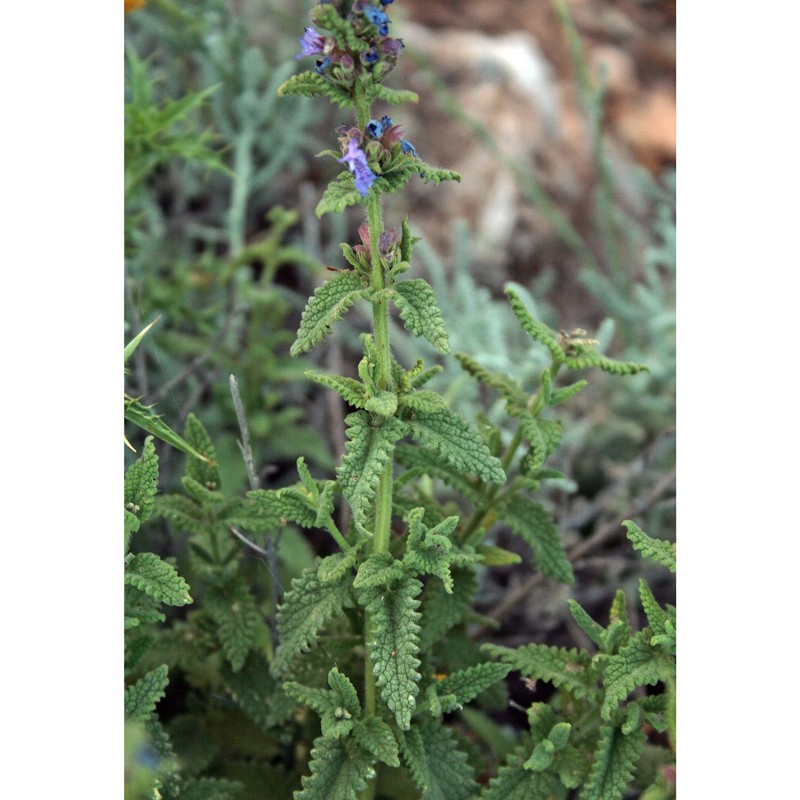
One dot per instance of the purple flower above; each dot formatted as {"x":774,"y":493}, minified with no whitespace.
{"x":311,"y":44}
{"x":356,"y":161}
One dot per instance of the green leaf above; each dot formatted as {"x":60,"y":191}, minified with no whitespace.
{"x":532,"y":523}
{"x":307,"y":607}
{"x":369,"y":449}
{"x":614,"y":763}
{"x":458,"y":443}
{"x":286,"y":505}
{"x":560,"y":395}
{"x":339,"y":194}
{"x":377,"y":91}
{"x":419,"y":311}
{"x":428,"y":462}
{"x":130,"y":348}
{"x":312,"y":84}
{"x":440,"y":770}
{"x":378,"y":570}
{"x":383,"y":403}
{"x":375,"y":736}
{"x":592,"y":629}
{"x":329,"y":303}
{"x":257,"y":692}
{"x":441,"y":611}
{"x":338,"y":709}
{"x":158,"y":579}
{"x":339,"y":770}
{"x":466,"y":684}
{"x":428,"y":549}
{"x":505,"y":385}
{"x":236,"y":615}
{"x":142,"y":696}
{"x":203,"y":471}
{"x":659,"y":550}
{"x":147,"y":420}
{"x":424,"y":400}
{"x":591,"y":358}
{"x":636,"y":664}
{"x":515,"y":782}
{"x":394,"y":624}
{"x":536,"y":330}
{"x":571,"y":669}
{"x":209,"y":789}
{"x":354,"y":392}
{"x":493,"y":556}
{"x":141,"y":483}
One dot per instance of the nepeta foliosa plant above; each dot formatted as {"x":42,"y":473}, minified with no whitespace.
{"x":358,"y":687}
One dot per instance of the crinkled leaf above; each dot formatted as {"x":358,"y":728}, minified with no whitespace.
{"x":466,"y":684}
{"x":369,"y":449}
{"x":537,"y":330}
{"x":375,"y":736}
{"x":533,"y":523}
{"x":614,"y":763}
{"x":142,"y":696}
{"x":451,"y":436}
{"x":428,"y":549}
{"x":329,"y":303}
{"x":383,"y":403}
{"x":660,"y":550}
{"x":205,"y":472}
{"x":158,"y":579}
{"x":420,"y":312}
{"x":307,"y":607}
{"x":141,"y":484}
{"x":339,"y":194}
{"x":440,"y":770}
{"x":515,"y":782}
{"x":339,"y":770}
{"x":235,"y":613}
{"x":312,"y":84}
{"x":354,"y":392}
{"x":393,"y":651}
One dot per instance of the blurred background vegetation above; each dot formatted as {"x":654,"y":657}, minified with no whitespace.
{"x":560,"y":117}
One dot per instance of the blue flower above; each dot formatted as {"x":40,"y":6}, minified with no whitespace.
{"x":386,"y":2}
{"x":377,"y":17}
{"x":322,"y":65}
{"x":311,"y":44}
{"x":408,"y":148}
{"x":370,"y":57}
{"x":356,"y":161}
{"x":375,"y":129}
{"x":386,"y":121}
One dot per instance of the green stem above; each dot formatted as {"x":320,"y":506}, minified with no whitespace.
{"x":535,"y":406}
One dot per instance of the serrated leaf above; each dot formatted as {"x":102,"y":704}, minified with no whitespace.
{"x":329,"y":303}
{"x":563,"y":394}
{"x":184,"y":512}
{"x":572,"y":669}
{"x":378,"y":570}
{"x":592,"y":629}
{"x":440,"y":770}
{"x":334,"y":567}
{"x":339,"y":771}
{"x":441,"y":611}
{"x":515,"y":782}
{"x":428,"y":549}
{"x":505,"y":385}
{"x":591,"y":358}
{"x":338,"y":708}
{"x":533,"y":523}
{"x":383,"y":403}
{"x":312,"y":84}
{"x":425,"y":400}
{"x":393,"y":651}
{"x":352,"y":391}
{"x":428,"y":462}
{"x":420,"y":312}
{"x":536,"y":330}
{"x":210,"y":789}
{"x":141,"y":485}
{"x":466,"y":684}
{"x":369,"y":449}
{"x":339,"y":194}
{"x":614,"y":763}
{"x":142,"y":696}
{"x":236,"y":615}
{"x":636,"y":664}
{"x":203,"y":471}
{"x":286,"y":505}
{"x":307,"y":607}
{"x":202,"y":495}
{"x":158,"y":579}
{"x":451,"y":436}
{"x":659,"y":550}
{"x":377,"y":91}
{"x":375,"y":736}
{"x":254,"y":690}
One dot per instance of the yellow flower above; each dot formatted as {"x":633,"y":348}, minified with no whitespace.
{"x":132,"y":5}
